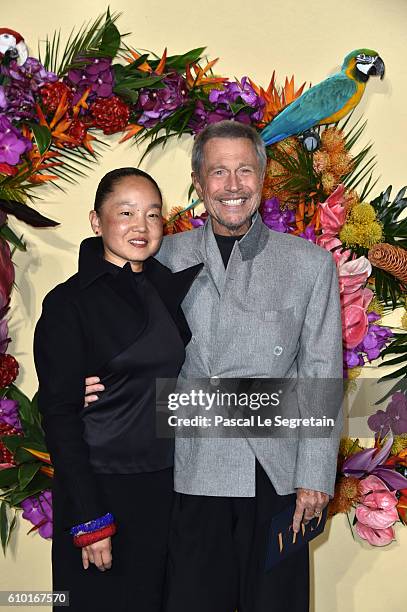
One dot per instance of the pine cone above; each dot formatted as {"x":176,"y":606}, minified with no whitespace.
{"x":110,"y":114}
{"x":52,"y":93}
{"x":8,"y":370}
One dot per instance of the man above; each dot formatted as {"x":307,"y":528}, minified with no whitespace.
{"x":264,"y":305}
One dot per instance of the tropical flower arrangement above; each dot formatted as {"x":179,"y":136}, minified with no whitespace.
{"x":54,"y":111}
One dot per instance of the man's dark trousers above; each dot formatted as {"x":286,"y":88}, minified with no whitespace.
{"x":217,"y":555}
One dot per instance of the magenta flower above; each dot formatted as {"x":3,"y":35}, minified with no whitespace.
{"x":9,"y":413}
{"x":239,"y":92}
{"x":38,"y":510}
{"x":30,"y":76}
{"x":97,"y":76}
{"x":12,"y":143}
{"x":309,"y":234}
{"x":157,"y":104}
{"x":3,"y":99}
{"x":276,"y":219}
{"x":199,"y":221}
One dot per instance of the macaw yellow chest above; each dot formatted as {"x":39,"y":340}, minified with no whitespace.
{"x":350,"y":104}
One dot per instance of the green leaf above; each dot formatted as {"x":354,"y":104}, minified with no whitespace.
{"x":110,"y":41}
{"x":7,"y":233}
{"x":12,"y":527}
{"x":39,"y":483}
{"x":8,"y":477}
{"x":179,"y":62}
{"x":22,"y":456}
{"x":42,"y":136}
{"x":12,"y":442}
{"x":3,"y":525}
{"x":26,"y":473}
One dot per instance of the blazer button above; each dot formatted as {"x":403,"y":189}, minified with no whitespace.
{"x":278,"y":350}
{"x":214,"y":381}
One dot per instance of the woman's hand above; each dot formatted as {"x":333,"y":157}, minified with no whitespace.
{"x":99,"y":553}
{"x":92,"y":387}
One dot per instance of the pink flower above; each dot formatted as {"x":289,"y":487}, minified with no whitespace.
{"x":328,"y":242}
{"x":377,"y":512}
{"x":332,"y":213}
{"x":353,"y":274}
{"x":375,"y":537}
{"x":354,"y":317}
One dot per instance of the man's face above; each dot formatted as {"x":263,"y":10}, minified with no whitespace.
{"x":230,"y":184}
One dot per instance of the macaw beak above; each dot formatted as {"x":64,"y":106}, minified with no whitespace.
{"x":377,"y":68}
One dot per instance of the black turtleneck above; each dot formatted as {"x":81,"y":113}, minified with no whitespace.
{"x":226,"y":244}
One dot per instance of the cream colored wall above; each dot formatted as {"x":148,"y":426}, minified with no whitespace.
{"x":308,"y":39}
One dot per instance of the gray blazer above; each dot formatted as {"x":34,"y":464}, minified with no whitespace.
{"x":274,"y":312}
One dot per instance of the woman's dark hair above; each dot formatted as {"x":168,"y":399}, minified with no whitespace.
{"x":109,"y":181}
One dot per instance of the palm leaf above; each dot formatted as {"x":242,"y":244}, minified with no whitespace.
{"x":87,"y":41}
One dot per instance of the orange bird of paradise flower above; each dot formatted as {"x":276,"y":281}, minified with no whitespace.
{"x":200,"y":79}
{"x":276,"y":100}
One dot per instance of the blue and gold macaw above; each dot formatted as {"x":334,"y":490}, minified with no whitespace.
{"x":328,"y":101}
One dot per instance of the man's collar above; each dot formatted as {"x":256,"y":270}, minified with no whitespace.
{"x":252,"y":243}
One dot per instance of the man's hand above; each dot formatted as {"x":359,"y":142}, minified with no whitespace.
{"x":309,"y":505}
{"x":92,"y":387}
{"x":99,"y":553}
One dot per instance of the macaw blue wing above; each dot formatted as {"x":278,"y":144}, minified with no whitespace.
{"x":314,"y":105}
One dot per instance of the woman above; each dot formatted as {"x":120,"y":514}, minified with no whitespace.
{"x":119,"y":317}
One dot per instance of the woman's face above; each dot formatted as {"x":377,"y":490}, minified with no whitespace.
{"x":130,"y":222}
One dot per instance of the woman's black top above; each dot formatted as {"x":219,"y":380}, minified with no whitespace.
{"x":128,"y":329}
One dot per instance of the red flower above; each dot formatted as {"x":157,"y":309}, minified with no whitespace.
{"x":52,"y":93}
{"x":8,"y":370}
{"x":77,"y":131}
{"x":8,"y":170}
{"x":6,"y":457}
{"x":110,"y":114}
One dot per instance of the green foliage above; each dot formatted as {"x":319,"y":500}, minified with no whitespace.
{"x":397,"y":347}
{"x":99,"y":38}
{"x":6,"y":526}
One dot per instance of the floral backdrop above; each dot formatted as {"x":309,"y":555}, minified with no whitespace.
{"x":319,"y":185}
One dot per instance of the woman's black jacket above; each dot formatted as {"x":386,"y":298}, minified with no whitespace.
{"x":86,"y":322}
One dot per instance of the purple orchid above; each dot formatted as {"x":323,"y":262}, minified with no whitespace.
{"x":371,"y":461}
{"x":3,"y":99}
{"x":96,"y":75}
{"x":202,"y":117}
{"x":275,"y":218}
{"x":234,"y":92}
{"x":38,"y":510}
{"x":9,"y":413}
{"x":376,"y":338}
{"x":12,"y":143}
{"x":157,"y":104}
{"x":352,"y":359}
{"x":309,"y":234}
{"x":20,"y":104}
{"x":394,"y":418}
{"x":4,"y":337}
{"x":30,"y":76}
